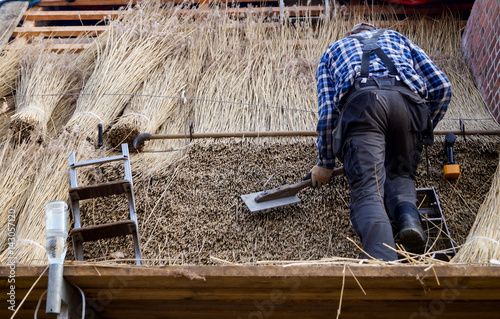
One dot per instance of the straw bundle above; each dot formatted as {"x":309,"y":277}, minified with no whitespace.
{"x":483,"y":243}
{"x":260,"y":67}
{"x":45,"y":178}
{"x":14,"y":189}
{"x":131,"y":50}
{"x":44,"y":80}
{"x":6,"y":111}
{"x":9,"y":68}
{"x":148,"y":110}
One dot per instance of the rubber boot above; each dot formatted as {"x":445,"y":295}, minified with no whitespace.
{"x":410,"y":231}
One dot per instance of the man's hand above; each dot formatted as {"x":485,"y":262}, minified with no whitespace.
{"x":320,"y":175}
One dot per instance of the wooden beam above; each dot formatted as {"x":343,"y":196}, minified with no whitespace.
{"x":58,"y":3}
{"x":287,"y":292}
{"x":10,"y":16}
{"x":32,"y":15}
{"x":59,"y":31}
{"x":292,"y":292}
{"x":391,"y":9}
{"x":266,"y":11}
{"x":94,"y":3}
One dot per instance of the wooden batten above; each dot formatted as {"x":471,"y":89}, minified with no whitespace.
{"x":367,"y":291}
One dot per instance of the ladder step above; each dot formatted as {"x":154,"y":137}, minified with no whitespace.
{"x":92,"y":233}
{"x":100,"y":190}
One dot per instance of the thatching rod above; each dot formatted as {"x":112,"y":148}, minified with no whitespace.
{"x":295,"y":133}
{"x":147,"y":136}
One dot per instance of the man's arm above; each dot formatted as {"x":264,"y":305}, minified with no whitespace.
{"x":328,"y":114}
{"x":438,"y":85}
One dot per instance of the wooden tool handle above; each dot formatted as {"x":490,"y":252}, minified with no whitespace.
{"x":282,"y":191}
{"x":289,"y":190}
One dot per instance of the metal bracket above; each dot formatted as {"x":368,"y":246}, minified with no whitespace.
{"x":191,"y":131}
{"x":462,"y":128}
{"x":99,"y":135}
{"x":71,"y":305}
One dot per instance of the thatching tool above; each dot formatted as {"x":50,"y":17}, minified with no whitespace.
{"x":451,"y":169}
{"x":280,"y":196}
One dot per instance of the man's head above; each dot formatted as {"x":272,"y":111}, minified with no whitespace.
{"x":361,"y":27}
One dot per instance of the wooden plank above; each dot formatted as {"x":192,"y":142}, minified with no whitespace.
{"x":392,"y":9}
{"x":94,"y":3}
{"x":266,"y":11}
{"x":269,"y":309}
{"x":100,"y":190}
{"x":59,"y":31}
{"x":285,"y":292}
{"x":101,"y":14}
{"x":65,"y":47}
{"x":395,"y":277}
{"x":310,"y":294}
{"x":32,"y":15}
{"x":95,"y":232}
{"x":58,"y":3}
{"x":10,"y":16}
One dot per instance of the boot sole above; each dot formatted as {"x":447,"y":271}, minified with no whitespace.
{"x":413,"y":240}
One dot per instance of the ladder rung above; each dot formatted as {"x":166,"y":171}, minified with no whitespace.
{"x":432,"y":219}
{"x":100,"y":190}
{"x":99,"y":161}
{"x":92,"y":233}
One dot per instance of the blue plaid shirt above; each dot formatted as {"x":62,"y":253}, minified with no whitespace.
{"x":340,"y":65}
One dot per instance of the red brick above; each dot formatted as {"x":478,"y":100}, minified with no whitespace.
{"x":497,"y":100}
{"x":496,"y":86}
{"x":489,"y":68}
{"x":496,"y":115}
{"x":487,"y":29}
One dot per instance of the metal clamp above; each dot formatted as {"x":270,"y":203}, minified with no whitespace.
{"x":462,"y":128}
{"x":191,"y":130}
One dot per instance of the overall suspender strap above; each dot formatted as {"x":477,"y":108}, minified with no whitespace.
{"x":370,"y":45}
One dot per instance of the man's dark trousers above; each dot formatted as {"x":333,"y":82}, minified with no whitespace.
{"x":381,"y":149}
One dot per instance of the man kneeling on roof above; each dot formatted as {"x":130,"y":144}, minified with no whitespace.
{"x":380,"y":97}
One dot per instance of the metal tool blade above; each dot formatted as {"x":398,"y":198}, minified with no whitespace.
{"x":249,"y":200}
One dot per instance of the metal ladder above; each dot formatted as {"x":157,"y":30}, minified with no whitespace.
{"x":81,"y":234}
{"x":434,"y":224}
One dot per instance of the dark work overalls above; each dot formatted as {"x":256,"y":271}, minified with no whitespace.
{"x":379,"y":140}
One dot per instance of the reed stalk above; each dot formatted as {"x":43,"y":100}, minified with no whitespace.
{"x":130,"y":51}
{"x":9,"y":67}
{"x":483,"y":243}
{"x":44,"y":80}
{"x":41,"y":172}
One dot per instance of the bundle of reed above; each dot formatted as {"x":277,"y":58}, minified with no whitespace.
{"x":47,"y":167}
{"x":260,"y":68}
{"x":153,"y":105}
{"x":9,"y":67}
{"x":467,"y":102}
{"x":6,"y":111}
{"x":162,"y":153}
{"x":483,"y":243}
{"x":134,"y":47}
{"x":14,"y":189}
{"x":45,"y":80}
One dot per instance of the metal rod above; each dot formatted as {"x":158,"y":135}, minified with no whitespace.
{"x":293,"y":133}
{"x":54,"y":288}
